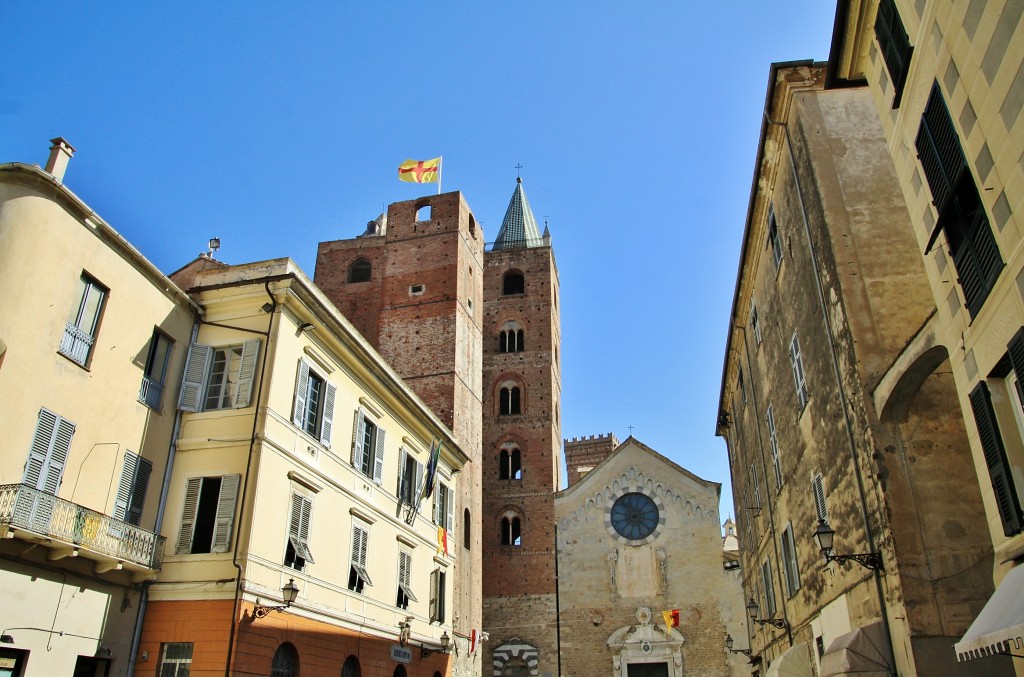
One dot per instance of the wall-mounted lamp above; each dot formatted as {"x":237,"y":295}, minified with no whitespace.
{"x":6,"y":639}
{"x":306,"y":326}
{"x":825,"y":536}
{"x":753,"y":609}
{"x":289,"y":591}
{"x":268,"y":307}
{"x":729,"y":643}
{"x":214,"y":246}
{"x":445,"y":643}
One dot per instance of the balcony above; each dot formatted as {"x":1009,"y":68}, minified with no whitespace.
{"x":69,"y":530}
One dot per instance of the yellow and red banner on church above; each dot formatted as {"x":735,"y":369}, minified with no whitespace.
{"x":420,"y":171}
{"x":671,"y":619}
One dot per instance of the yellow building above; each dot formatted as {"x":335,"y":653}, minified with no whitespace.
{"x":947,"y":81}
{"x":301,"y":469}
{"x":93,"y":340}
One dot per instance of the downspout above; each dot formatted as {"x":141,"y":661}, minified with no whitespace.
{"x":161,"y":508}
{"x":245,"y":485}
{"x":843,"y":400}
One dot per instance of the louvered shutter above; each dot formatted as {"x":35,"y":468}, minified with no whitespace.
{"x":405,"y":574}
{"x":818,"y":490}
{"x":124,"y":486}
{"x":327,"y":418}
{"x":140,"y":484}
{"x":403,"y":463}
{"x":225,"y":513}
{"x":298,"y":529}
{"x":995,"y":458}
{"x":449,"y":503}
{"x":1016,"y":350}
{"x":434,"y":609}
{"x":378,"y":456}
{"x":58,"y":456}
{"x":358,"y":435}
{"x":246,"y":373}
{"x":193,"y":383}
{"x":417,"y":483}
{"x":188,"y":515}
{"x":301,"y":391}
{"x":938,"y":148}
{"x":39,"y":451}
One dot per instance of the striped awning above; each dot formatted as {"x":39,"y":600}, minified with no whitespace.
{"x":999,"y":628}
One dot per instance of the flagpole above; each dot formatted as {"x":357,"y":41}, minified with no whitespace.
{"x":440,"y":166}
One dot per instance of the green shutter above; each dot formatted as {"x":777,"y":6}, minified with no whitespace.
{"x":995,"y":458}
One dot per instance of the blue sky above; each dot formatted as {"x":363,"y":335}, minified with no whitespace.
{"x":277,"y":125}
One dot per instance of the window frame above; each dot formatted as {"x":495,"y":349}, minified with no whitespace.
{"x":775,"y":238}
{"x":358,"y":576}
{"x":178,"y":662}
{"x":773,"y":440}
{"x":313,"y":407}
{"x":367,"y":432}
{"x":444,"y":506}
{"x":199,"y":366}
{"x":894,"y":46}
{"x":510,"y":400}
{"x":410,"y":478}
{"x":154,"y":374}
{"x":131,"y":489}
{"x":297,"y":551}
{"x":818,"y":495}
{"x":796,"y":359}
{"x":437,"y":603}
{"x":223,"y":517}
{"x":755,"y":324}
{"x":405,"y":594}
{"x":790,"y":564}
{"x":83,"y":323}
{"x":770,"y":606}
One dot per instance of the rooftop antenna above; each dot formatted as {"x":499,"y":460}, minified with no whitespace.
{"x":214,"y":246}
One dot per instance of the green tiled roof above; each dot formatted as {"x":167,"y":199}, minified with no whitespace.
{"x":519,"y":228}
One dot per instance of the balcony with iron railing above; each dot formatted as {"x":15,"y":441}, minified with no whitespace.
{"x":70,"y":530}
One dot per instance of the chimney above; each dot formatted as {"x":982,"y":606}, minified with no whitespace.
{"x":60,"y":152}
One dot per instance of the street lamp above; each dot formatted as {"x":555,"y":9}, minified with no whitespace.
{"x":729,"y":643}
{"x":825,"y":536}
{"x":445,"y":642}
{"x":752,"y":609}
{"x":289,"y":591}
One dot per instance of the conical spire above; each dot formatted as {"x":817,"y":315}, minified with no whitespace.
{"x":519,"y":228}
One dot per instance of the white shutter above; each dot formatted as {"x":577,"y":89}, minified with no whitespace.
{"x":124,"y":486}
{"x":449,"y":501}
{"x":417,"y":484}
{"x":818,"y":489}
{"x":188,"y":515}
{"x":58,"y":455}
{"x":225,"y":513}
{"x":246,"y":373}
{"x":327,"y":418}
{"x":403,"y":462}
{"x":378,"y":456}
{"x":298,"y":527}
{"x":40,"y":448}
{"x":358,"y":435}
{"x":434,"y":606}
{"x":193,"y":384}
{"x":301,"y":390}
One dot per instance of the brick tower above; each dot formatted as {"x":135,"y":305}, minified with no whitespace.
{"x":412,"y":285}
{"x":582,"y":454}
{"x":521,"y":444}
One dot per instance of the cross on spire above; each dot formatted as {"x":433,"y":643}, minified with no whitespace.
{"x":518,"y":167}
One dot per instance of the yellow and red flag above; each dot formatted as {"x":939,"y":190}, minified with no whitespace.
{"x":420,"y":171}
{"x":671,"y":619}
{"x":442,"y":541}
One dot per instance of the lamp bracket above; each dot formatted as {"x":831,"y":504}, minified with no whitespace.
{"x":777,"y":623}
{"x":868,"y":560}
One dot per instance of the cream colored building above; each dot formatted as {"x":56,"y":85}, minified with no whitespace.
{"x":638,"y":535}
{"x":93,"y":340}
{"x":947,"y":82}
{"x":301,"y":463}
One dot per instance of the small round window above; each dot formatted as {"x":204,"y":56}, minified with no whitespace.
{"x":634,"y":516}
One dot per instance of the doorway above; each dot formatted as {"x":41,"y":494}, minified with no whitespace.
{"x":647,"y":670}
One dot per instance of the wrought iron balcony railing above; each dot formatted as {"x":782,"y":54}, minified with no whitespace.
{"x":151,"y":392}
{"x":76,"y":344}
{"x":27,"y":509}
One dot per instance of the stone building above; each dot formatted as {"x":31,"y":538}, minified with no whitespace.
{"x":836,"y":407}
{"x":476,"y":334}
{"x":947,"y":83}
{"x":639,"y":535}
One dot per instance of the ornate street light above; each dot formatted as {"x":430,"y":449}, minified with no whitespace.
{"x":289,"y":592}
{"x":729,"y":643}
{"x":752,"y":609}
{"x":825,"y":536}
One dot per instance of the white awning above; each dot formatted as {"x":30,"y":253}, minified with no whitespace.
{"x":864,"y":652}
{"x":1000,"y":625}
{"x":794,"y":662}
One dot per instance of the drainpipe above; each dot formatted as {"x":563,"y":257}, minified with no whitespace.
{"x":161,"y":508}
{"x":843,"y":400}
{"x":558,"y":610}
{"x":245,"y":484}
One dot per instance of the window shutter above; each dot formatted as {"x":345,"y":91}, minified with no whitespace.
{"x":449,"y":504}
{"x":358,"y":435}
{"x":435,"y":577}
{"x":307,"y":509}
{"x":124,"y":486}
{"x":403,"y":463}
{"x":417,"y":486}
{"x":818,"y":490}
{"x":327,"y":419}
{"x":40,"y":448}
{"x":225,"y":513}
{"x":938,"y":148}
{"x":995,"y":459}
{"x":193,"y":383}
{"x":301,"y":390}
{"x":378,"y":457}
{"x":1016,"y":350}
{"x":58,"y":455}
{"x":246,"y":373}
{"x":188,"y":515}
{"x":404,"y":562}
{"x":140,"y":484}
